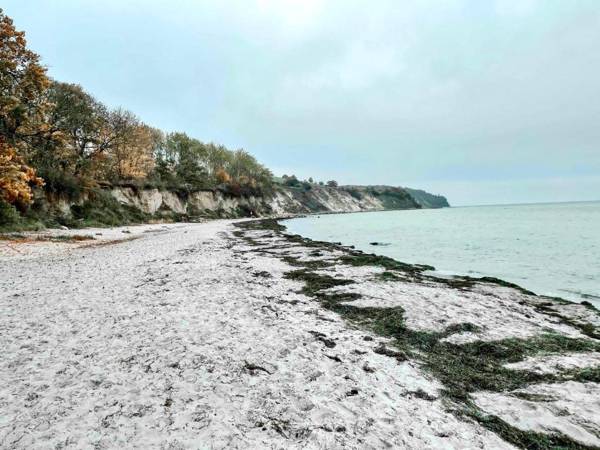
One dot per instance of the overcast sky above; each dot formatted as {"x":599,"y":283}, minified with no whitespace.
{"x":482,"y":101}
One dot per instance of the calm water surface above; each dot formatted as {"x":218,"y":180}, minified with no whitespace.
{"x":551,"y":249}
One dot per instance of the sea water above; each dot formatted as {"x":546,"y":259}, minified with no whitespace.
{"x":550,"y":249}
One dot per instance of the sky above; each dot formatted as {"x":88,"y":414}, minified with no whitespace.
{"x":483,"y":101}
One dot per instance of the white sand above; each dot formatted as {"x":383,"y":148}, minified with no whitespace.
{"x":500,"y":312}
{"x":434,"y":307}
{"x":570,"y":408}
{"x":557,"y":363}
{"x":156,"y":343}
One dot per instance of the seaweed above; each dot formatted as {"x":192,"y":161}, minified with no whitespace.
{"x":462,"y":368}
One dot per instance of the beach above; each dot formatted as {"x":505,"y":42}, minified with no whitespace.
{"x":233,"y":334}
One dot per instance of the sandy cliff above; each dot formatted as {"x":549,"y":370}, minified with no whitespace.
{"x":283,"y":201}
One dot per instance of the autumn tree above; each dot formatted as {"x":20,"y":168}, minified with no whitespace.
{"x":23,"y":106}
{"x":74,"y":141}
{"x":16,"y":178}
{"x":23,"y":83}
{"x":132,"y":157}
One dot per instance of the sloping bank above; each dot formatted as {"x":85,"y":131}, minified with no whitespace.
{"x":127,"y":204}
{"x":525,"y":367}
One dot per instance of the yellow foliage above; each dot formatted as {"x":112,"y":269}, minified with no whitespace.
{"x":16,"y":178}
{"x":134,"y":158}
{"x":222,"y":176}
{"x":23,"y":82}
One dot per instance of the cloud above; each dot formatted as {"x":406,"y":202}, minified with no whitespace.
{"x":422,"y":92}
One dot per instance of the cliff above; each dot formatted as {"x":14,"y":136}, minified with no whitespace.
{"x":427,"y":200}
{"x":284,"y":200}
{"x":115,"y":205}
{"x":322,"y":199}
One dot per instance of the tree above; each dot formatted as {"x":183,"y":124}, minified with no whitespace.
{"x":183,"y":161}
{"x":23,"y":105}
{"x":292,"y":181}
{"x":16,"y":178}
{"x":218,"y":158}
{"x":82,"y":121}
{"x":23,"y":83}
{"x":133,"y":156}
{"x":332,"y":183}
{"x":190,"y":157}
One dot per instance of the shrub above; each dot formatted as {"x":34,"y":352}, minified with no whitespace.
{"x":8,"y":214}
{"x":102,"y":208}
{"x":16,"y":178}
{"x":306,"y":185}
{"x":222,"y":176}
{"x":59,"y":182}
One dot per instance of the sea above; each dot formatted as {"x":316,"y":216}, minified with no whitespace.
{"x":551,"y":249}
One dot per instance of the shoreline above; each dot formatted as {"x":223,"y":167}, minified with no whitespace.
{"x":332,"y":293}
{"x":233,"y":334}
{"x":572,"y":287}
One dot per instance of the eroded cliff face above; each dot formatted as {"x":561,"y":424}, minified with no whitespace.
{"x":123,"y":204}
{"x":202,"y":203}
{"x":284,"y":201}
{"x":342,"y":199}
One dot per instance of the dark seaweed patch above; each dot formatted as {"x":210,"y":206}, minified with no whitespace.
{"x":461,"y":368}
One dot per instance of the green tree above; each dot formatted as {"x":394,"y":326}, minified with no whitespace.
{"x":183,"y":160}
{"x":82,"y":121}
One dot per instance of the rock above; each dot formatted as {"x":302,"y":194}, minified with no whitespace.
{"x":323,"y":338}
{"x":253,"y":368}
{"x":367,"y":368}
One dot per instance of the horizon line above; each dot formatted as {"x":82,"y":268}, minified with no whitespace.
{"x":526,"y":203}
